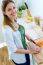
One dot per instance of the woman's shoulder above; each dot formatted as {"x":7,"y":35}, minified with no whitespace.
{"x":7,"y":29}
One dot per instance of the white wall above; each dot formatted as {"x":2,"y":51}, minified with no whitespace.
{"x":1,"y":19}
{"x":36,"y":7}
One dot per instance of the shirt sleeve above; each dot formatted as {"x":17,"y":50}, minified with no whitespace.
{"x":9,"y":40}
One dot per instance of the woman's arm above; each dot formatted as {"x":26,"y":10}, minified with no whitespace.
{"x":30,"y":39}
{"x":23,"y":51}
{"x":33,"y":44}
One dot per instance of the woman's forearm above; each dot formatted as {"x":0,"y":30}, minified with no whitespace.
{"x":30,"y":39}
{"x":22,"y":51}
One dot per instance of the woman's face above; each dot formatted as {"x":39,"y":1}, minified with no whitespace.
{"x":10,"y":11}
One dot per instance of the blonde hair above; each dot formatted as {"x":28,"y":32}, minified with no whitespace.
{"x":6,"y":21}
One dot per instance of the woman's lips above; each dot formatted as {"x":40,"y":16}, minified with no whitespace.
{"x":13,"y":14}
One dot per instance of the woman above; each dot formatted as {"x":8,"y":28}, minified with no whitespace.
{"x":15,"y":35}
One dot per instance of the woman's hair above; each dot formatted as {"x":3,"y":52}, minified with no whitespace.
{"x":7,"y":21}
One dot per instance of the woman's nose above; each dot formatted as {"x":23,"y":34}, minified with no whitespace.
{"x":13,"y":10}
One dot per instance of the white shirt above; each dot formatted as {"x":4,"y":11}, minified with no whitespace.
{"x":13,"y":40}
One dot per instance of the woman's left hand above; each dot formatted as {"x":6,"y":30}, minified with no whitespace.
{"x":37,"y":49}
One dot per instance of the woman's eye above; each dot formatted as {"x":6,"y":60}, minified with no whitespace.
{"x":9,"y":9}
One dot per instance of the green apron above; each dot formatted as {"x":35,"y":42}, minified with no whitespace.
{"x":22,"y":32}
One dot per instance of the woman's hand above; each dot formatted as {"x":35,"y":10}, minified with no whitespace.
{"x":36,"y":49}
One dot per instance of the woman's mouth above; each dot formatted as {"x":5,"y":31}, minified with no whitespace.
{"x":13,"y":14}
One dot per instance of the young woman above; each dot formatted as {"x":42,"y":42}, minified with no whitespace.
{"x":15,"y":35}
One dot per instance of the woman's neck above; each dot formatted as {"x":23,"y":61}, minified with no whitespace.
{"x":15,"y":25}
